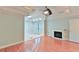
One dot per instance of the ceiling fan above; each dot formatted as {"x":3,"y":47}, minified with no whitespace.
{"x":47,"y":11}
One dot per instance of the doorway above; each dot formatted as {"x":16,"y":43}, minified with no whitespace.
{"x":33,"y":27}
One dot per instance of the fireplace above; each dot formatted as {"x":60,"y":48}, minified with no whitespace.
{"x":60,"y":34}
{"x":57,"y":34}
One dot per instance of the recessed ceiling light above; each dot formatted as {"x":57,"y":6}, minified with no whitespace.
{"x":67,"y":10}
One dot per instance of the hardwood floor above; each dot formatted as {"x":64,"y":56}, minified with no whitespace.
{"x":45,"y":44}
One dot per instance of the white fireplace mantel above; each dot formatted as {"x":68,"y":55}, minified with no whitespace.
{"x":64,"y":33}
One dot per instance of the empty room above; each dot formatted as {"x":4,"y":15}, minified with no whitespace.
{"x":39,"y":28}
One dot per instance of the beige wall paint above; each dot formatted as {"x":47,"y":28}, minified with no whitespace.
{"x":11,"y":28}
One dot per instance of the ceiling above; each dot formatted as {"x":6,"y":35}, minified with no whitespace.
{"x":25,"y":10}
{"x":21,"y":10}
{"x":59,"y":10}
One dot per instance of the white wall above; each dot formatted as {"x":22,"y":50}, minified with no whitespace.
{"x":11,"y":28}
{"x":57,"y":23}
{"x":74,"y":30}
{"x":63,"y":22}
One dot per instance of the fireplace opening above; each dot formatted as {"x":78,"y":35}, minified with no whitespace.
{"x":57,"y":34}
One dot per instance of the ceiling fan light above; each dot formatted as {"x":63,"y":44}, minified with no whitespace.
{"x":47,"y":12}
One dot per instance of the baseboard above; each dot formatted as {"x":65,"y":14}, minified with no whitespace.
{"x":73,"y":41}
{"x":5,"y":46}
